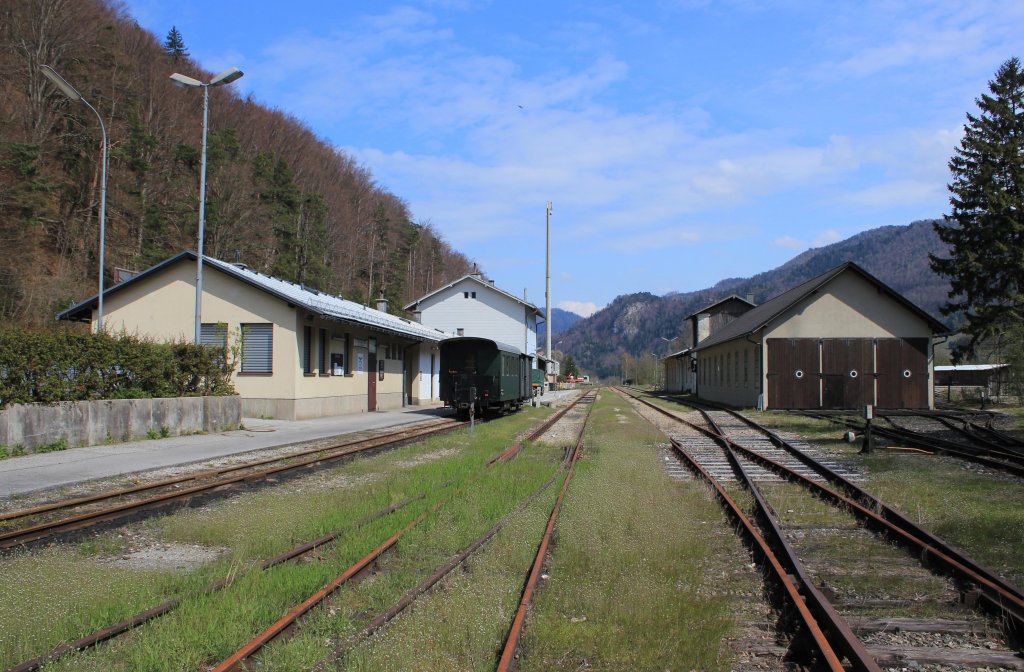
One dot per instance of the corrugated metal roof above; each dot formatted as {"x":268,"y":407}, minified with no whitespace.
{"x":970,"y":367}
{"x":326,"y":305}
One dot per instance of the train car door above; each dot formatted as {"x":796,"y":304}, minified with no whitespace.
{"x":371,"y":375}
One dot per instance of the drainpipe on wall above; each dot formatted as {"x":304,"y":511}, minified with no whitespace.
{"x":761,"y":375}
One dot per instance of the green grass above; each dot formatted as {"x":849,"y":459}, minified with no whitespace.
{"x":980,"y":513}
{"x":642,"y":569}
{"x":250,"y":527}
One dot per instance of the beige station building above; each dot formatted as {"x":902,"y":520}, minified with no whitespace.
{"x":842,"y":340}
{"x":299,"y":353}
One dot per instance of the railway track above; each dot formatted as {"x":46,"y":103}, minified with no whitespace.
{"x":304,"y":550}
{"x":1003,"y":454}
{"x":864,"y":594}
{"x":67,"y":518}
{"x":289,"y":622}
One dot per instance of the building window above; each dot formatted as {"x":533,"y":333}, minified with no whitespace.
{"x":307,"y":349}
{"x":215,"y":336}
{"x":257,"y":348}
{"x":746,"y":367}
{"x":465,"y":295}
{"x":322,"y":352}
{"x":472,"y":295}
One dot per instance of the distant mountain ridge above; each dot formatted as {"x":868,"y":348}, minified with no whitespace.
{"x":561,"y":320}
{"x":644,"y":323}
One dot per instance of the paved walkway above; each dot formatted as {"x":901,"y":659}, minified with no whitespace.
{"x":48,"y":470}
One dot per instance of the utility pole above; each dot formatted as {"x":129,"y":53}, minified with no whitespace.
{"x":547,"y":290}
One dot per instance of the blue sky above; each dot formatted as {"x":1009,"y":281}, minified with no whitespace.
{"x":681,"y":142}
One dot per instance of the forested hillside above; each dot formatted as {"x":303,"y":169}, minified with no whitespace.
{"x":279,"y":198}
{"x":642,"y":327}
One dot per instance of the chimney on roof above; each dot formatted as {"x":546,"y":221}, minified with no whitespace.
{"x":750,"y":299}
{"x":382,"y":303}
{"x":417,"y":316}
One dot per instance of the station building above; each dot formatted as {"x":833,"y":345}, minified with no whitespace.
{"x":843,"y":339}
{"x":473,"y":306}
{"x":300,"y":353}
{"x":680,"y":368}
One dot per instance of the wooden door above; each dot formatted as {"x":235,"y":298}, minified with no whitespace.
{"x":793,"y":373}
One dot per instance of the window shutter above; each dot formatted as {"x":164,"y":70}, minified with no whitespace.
{"x":257,"y":348}
{"x":213,"y":335}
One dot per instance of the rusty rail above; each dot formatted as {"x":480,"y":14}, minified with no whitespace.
{"x":112,"y":631}
{"x":509,"y":651}
{"x":35,"y":533}
{"x":517,"y":447}
{"x":289,"y":620}
{"x":997,"y":595}
{"x":799,"y":594}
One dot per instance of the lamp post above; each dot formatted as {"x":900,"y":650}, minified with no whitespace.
{"x":73,"y":94}
{"x":225,"y":77}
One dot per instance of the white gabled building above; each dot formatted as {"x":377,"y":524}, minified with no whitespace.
{"x":473,"y":306}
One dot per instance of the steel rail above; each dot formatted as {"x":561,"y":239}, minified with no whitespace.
{"x":998,"y":595}
{"x":234,"y":661}
{"x":930,"y":443}
{"x":872,"y":503}
{"x":996,"y":443}
{"x":761,"y":548}
{"x":116,"y":629}
{"x":34,"y":533}
{"x":515,"y":448}
{"x":205,"y":474}
{"x":289,"y":620}
{"x":413,"y":594}
{"x":509,"y":651}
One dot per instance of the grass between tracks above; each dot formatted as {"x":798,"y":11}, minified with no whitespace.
{"x":645,"y":572}
{"x":973,"y":508}
{"x":66,"y":591}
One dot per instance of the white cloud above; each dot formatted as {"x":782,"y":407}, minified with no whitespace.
{"x":789,"y":242}
{"x":582,"y":308}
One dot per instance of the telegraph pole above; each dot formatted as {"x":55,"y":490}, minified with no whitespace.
{"x":547,"y":291}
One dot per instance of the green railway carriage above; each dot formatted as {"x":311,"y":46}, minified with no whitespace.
{"x":479,"y":375}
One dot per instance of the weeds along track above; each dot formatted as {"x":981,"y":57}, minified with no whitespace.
{"x":956,"y":435}
{"x":305,"y":551}
{"x":881,"y":590}
{"x":67,"y":518}
{"x":291,"y":621}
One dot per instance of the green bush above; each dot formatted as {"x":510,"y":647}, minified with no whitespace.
{"x":71,"y":366}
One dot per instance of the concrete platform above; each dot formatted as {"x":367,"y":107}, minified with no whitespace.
{"x":49,"y":470}
{"x":28,"y":473}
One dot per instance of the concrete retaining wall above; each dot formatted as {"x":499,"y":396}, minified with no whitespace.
{"x":89,"y":423}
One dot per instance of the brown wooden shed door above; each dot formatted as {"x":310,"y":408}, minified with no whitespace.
{"x":902,"y":372}
{"x":847,"y":368}
{"x":792,"y":373}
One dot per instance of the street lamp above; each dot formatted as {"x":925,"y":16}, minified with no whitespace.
{"x":74,"y":95}
{"x":225,"y":77}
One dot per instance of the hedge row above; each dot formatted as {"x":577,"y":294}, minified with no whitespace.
{"x":70,"y":366}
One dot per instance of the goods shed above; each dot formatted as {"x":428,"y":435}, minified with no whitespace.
{"x":843,"y":339}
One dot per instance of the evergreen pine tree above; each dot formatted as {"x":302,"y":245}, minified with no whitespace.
{"x":174,"y":45}
{"x":985,"y":231}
